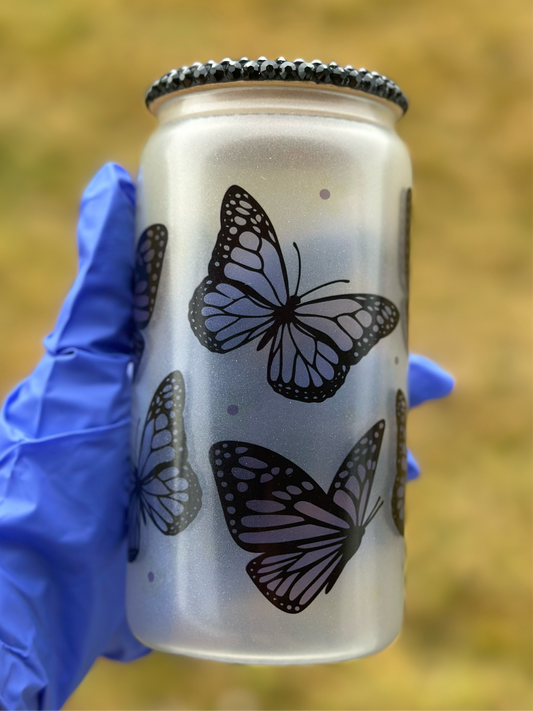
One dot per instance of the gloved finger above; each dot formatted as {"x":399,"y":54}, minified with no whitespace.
{"x":426,"y":380}
{"x":82,"y":382}
{"x":96,"y":315}
{"x":413,"y":470}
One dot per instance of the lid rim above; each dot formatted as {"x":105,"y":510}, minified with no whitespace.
{"x":263,"y":69}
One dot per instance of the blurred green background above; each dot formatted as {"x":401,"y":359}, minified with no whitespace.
{"x":73,"y":76}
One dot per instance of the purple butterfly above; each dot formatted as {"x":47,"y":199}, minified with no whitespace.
{"x":165,"y":489}
{"x":304,"y":536}
{"x":246,"y":296}
{"x":146,"y":276}
{"x":398,"y":490}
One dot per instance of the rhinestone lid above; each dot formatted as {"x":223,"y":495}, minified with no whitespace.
{"x":280,"y":69}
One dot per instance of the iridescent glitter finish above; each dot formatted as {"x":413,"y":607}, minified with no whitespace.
{"x":277,"y":297}
{"x":280,"y":69}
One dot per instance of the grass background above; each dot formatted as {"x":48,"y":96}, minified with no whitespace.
{"x":73,"y":76}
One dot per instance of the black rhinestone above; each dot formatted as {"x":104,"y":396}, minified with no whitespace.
{"x":242,"y":61}
{"x":305,"y":71}
{"x":380,"y":86}
{"x":234,"y":71}
{"x":201,"y":74}
{"x":288,"y":71}
{"x":259,"y":60}
{"x":366,"y":82}
{"x":315,"y":62}
{"x":321,"y":73}
{"x":217,"y":72}
{"x":333,"y":65}
{"x":387,"y":89}
{"x":280,"y":60}
{"x":210,"y":63}
{"x":251,"y":71}
{"x":186,"y":77}
{"x":268,"y":70}
{"x":353,"y":79}
{"x":226,"y":61}
{"x":172,"y":80}
{"x":299,"y":61}
{"x":337,"y":76}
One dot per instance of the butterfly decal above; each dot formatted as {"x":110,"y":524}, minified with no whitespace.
{"x":146,"y":276}
{"x":165,"y":489}
{"x":398,"y":489}
{"x":246,"y":296}
{"x":405,"y":256}
{"x":304,"y":536}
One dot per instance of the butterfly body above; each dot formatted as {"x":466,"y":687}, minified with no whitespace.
{"x":281,"y":315}
{"x":285,"y":314}
{"x":304,"y":536}
{"x":246,"y":296}
{"x":351,"y":546}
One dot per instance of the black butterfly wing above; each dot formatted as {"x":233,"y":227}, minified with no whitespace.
{"x":398,"y":490}
{"x":134,"y":518}
{"x":405,"y":241}
{"x":405,"y":252}
{"x":247,"y":278}
{"x":292,"y":581}
{"x":352,"y":486}
{"x":166,"y":486}
{"x":146,"y":277}
{"x":273,"y":507}
{"x":311,"y":355}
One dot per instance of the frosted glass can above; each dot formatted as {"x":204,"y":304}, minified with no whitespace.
{"x":268,"y":444}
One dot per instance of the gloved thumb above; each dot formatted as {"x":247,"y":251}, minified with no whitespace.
{"x":96,"y":315}
{"x":82,"y":381}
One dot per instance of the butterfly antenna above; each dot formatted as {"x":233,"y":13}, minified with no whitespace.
{"x":377,"y":506}
{"x":299,"y":268}
{"x":337,"y":281}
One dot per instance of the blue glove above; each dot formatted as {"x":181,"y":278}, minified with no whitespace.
{"x":64,"y":448}
{"x":425,"y":381}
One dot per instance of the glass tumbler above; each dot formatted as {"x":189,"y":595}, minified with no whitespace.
{"x":271,"y":289}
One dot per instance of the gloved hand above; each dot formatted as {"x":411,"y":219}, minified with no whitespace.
{"x":64,"y":448}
